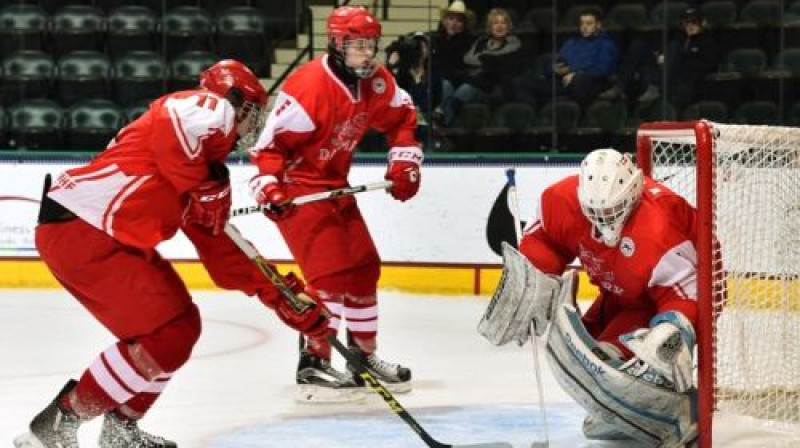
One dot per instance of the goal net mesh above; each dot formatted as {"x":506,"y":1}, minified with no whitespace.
{"x":756,"y":285}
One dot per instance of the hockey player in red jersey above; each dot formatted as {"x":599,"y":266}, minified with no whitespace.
{"x":628,"y":358}
{"x":633,"y":236}
{"x":98,"y":228}
{"x":307,"y":145}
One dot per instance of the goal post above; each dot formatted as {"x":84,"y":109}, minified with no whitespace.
{"x":745,"y":183}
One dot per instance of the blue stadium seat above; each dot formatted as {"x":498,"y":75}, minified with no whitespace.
{"x":241,"y":35}
{"x":89,"y":125}
{"x":27,"y":74}
{"x":187,"y":28}
{"x":77,"y":27}
{"x":185,"y":70}
{"x":35,"y":124}
{"x":131,"y":28}
{"x":139,"y":75}
{"x":82,"y":74}
{"x":22,"y":27}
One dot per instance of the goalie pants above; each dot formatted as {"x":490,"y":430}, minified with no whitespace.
{"x":332,"y":245}
{"x":606,"y":320}
{"x":139,"y":298}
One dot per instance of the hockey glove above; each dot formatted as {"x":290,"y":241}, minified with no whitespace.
{"x":313,"y":321}
{"x":210,"y":202}
{"x":268,"y":191}
{"x":404,"y":172}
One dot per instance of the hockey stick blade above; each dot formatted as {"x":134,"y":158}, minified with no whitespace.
{"x":395,"y":405}
{"x":313,"y":197}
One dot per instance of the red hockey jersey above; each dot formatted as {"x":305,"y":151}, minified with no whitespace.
{"x":312,"y":131}
{"x":134,"y":190}
{"x":654,"y":263}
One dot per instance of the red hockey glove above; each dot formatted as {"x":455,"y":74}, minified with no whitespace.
{"x":268,"y":191}
{"x":404,"y":173}
{"x":210,"y":202}
{"x":313,"y":321}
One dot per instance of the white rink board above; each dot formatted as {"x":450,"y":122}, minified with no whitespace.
{"x":444,"y":223}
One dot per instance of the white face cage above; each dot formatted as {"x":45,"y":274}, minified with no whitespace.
{"x":250,"y":120}
{"x":361,"y":55}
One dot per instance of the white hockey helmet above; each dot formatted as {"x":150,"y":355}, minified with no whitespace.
{"x":609,"y":188}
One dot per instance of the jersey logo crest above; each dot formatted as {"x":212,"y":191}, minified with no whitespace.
{"x":627,"y":247}
{"x":379,"y":85}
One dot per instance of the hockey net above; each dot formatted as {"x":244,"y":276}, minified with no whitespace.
{"x":745,"y":182}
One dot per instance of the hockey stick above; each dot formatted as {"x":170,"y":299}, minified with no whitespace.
{"x":313,"y":197}
{"x":498,"y":228}
{"x":300,"y":305}
{"x":512,"y":194}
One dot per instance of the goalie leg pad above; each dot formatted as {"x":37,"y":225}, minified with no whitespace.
{"x":629,"y":396}
{"x":524,"y":295}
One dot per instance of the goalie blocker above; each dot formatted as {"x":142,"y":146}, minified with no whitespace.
{"x":623,"y":398}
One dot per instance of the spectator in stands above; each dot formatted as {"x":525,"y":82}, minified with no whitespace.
{"x":408,"y":58}
{"x":491,"y":62}
{"x":586,"y":63}
{"x":689,"y":57}
{"x":449,"y":43}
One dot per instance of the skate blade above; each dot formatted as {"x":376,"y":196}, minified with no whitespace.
{"x":27,"y":440}
{"x":310,"y":393}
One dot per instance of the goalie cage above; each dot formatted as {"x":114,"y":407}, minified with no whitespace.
{"x":745,"y":182}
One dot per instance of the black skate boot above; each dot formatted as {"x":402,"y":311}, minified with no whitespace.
{"x":54,"y":427}
{"x":319,"y":382}
{"x":121,"y":432}
{"x":396,"y":378}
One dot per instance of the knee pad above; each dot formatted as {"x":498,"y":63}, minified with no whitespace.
{"x":170,"y":345}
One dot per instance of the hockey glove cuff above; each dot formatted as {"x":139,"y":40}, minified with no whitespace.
{"x":210,"y":202}
{"x":404,"y":172}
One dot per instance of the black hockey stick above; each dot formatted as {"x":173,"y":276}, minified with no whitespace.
{"x":313,"y":197}
{"x":301,"y":305}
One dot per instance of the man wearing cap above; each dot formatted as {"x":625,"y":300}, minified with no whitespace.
{"x":449,"y":43}
{"x":690,"y":56}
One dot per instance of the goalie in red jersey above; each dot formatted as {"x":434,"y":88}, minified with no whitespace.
{"x":98,"y":228}
{"x":628,"y":358}
{"x":322,"y":112}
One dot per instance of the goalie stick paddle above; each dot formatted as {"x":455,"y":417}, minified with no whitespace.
{"x":500,"y":226}
{"x":313,"y":197}
{"x":300,"y":305}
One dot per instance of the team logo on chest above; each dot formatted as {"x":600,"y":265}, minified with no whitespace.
{"x":627,"y":247}
{"x":378,"y":85}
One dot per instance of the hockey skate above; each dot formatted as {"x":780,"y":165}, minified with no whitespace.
{"x":319,"y":382}
{"x":54,"y":427}
{"x":396,"y":378}
{"x":119,"y":432}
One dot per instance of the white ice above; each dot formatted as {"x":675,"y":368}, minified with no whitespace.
{"x":237,"y":389}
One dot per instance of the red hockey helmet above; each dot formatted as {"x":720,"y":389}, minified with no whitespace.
{"x":226,"y":75}
{"x":353,"y":25}
{"x":352,"y":22}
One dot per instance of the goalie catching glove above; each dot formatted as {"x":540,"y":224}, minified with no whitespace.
{"x":312,"y":321}
{"x":666,"y":347}
{"x":210,"y":202}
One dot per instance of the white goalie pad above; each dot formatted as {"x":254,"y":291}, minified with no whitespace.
{"x":523,"y":295}
{"x":629,"y":396}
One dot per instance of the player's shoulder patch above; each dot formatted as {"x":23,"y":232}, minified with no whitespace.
{"x":378,"y":85}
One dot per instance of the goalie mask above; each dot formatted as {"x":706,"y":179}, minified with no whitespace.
{"x":353,"y":41}
{"x":235,"y":82}
{"x":609,"y":188}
